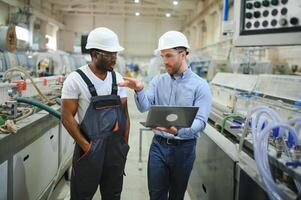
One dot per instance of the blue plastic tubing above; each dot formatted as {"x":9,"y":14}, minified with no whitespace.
{"x":225,"y":11}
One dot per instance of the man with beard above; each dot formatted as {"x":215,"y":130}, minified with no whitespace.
{"x":172,"y":152}
{"x":102,"y":129}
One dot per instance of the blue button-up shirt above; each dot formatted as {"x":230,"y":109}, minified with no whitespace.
{"x":186,"y":90}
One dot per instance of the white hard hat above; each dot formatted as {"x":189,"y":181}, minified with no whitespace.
{"x":172,"y":39}
{"x":104,"y":39}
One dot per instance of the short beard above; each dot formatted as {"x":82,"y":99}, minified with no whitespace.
{"x":102,"y":66}
{"x":175,"y":70}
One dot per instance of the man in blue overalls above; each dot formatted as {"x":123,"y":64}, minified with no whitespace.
{"x":102,"y":126}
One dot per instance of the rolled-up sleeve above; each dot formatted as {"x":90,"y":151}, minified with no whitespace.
{"x":203,"y":100}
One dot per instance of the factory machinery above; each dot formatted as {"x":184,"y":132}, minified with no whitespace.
{"x":223,"y":169}
{"x":35,"y":148}
{"x":250,"y":148}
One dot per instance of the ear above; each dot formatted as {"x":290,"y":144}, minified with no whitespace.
{"x":183,"y":55}
{"x":93,"y":55}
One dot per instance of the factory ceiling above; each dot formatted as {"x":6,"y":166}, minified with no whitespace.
{"x":125,"y":8}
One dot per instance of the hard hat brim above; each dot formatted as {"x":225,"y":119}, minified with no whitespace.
{"x":157,"y":51}
{"x":109,"y":49}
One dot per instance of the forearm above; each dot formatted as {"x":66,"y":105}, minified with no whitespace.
{"x":194,"y":131}
{"x":73,"y":129}
{"x":142,"y":101}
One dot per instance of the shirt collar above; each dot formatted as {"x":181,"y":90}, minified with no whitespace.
{"x":184,"y":75}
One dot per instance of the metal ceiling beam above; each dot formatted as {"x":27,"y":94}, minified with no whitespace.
{"x":160,"y":17}
{"x":182,"y":6}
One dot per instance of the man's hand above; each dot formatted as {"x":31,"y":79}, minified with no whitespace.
{"x":172,"y":130}
{"x":131,"y":83}
{"x":86,"y":147}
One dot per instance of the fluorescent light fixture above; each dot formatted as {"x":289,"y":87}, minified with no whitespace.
{"x":167,"y":15}
{"x":137,"y":13}
{"x":22,"y":33}
{"x":136,"y":1}
{"x":175,"y":3}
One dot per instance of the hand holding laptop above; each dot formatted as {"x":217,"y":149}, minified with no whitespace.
{"x":172,"y":130}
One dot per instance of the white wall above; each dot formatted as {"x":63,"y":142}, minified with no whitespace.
{"x":4,"y":9}
{"x":138,"y":35}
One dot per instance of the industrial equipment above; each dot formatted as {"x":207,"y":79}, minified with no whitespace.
{"x":264,"y":22}
{"x":33,"y":142}
{"x":238,"y":136}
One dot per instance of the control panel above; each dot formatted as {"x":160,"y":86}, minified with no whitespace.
{"x":267,"y":22}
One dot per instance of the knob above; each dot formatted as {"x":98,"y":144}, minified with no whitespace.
{"x":265,"y":13}
{"x":274,"y":22}
{"x":249,"y":25}
{"x":275,"y":2}
{"x":283,"y":11}
{"x":265,"y":3}
{"x":284,"y":1}
{"x":294,"y":21}
{"x":283,"y":22}
{"x":248,"y":15}
{"x":256,"y":24}
{"x":257,"y":4}
{"x":265,"y":23}
{"x":249,"y":6}
{"x":257,"y":14}
{"x":274,"y":12}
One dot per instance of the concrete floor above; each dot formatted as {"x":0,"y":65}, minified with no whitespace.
{"x":135,"y":181}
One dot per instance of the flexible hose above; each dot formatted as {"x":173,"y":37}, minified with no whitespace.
{"x":39,"y":104}
{"x":50,"y":111}
{"x":265,"y":120}
{"x":248,"y":118}
{"x":263,"y":160}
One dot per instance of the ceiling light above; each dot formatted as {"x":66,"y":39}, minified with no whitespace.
{"x":137,"y":13}
{"x":167,"y":15}
{"x":175,"y":3}
{"x":136,"y":1}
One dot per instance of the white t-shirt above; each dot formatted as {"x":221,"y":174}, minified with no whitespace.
{"x":74,"y":87}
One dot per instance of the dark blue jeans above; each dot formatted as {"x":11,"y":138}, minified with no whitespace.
{"x":169,"y":168}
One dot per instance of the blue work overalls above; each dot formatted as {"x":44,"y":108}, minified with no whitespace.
{"x":104,"y":127}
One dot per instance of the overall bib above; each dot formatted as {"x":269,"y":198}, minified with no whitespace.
{"x":104,"y":127}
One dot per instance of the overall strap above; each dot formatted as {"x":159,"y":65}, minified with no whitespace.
{"x":114,"y":85}
{"x":88,"y":82}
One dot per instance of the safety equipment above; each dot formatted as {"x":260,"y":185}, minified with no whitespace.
{"x":172,"y":39}
{"x":104,"y":39}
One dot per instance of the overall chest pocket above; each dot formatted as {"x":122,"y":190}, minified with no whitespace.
{"x":106,"y":101}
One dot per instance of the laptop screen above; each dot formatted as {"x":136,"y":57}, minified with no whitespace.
{"x":166,"y":116}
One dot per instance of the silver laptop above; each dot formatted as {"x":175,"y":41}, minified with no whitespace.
{"x":166,"y":116}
